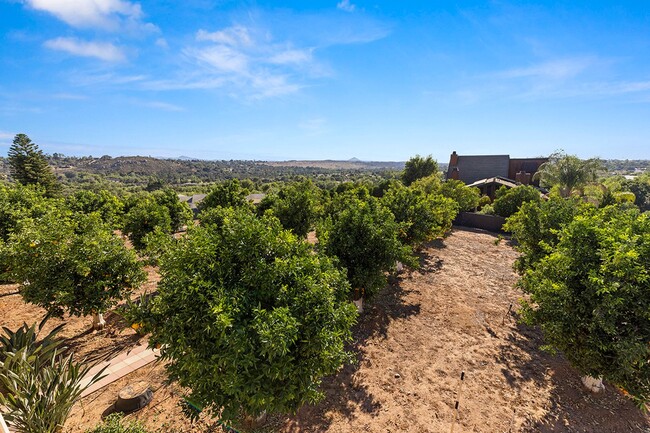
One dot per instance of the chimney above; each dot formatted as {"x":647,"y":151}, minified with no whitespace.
{"x":455,"y":172}
{"x":453,"y":161}
{"x":523,"y":178}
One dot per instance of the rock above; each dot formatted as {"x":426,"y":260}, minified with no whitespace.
{"x":397,"y":376}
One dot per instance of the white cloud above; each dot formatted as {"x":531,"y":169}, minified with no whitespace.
{"x":100,"y":50}
{"x":555,"y":69}
{"x":105,"y":14}
{"x":245,"y":59}
{"x":162,"y":43}
{"x":292,"y":57}
{"x":234,"y":36}
{"x":345,"y":5}
{"x":159,"y":105}
{"x":222,"y":58}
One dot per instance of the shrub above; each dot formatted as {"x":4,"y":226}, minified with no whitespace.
{"x":296,"y":205}
{"x":424,"y":217}
{"x":536,"y":225}
{"x":418,"y":167}
{"x":71,"y":263}
{"x":106,"y":204}
{"x":364,"y":237}
{"x":466,"y":197}
{"x":180,"y":213}
{"x":248,"y":316}
{"x":590,"y":297}
{"x":229,"y":193}
{"x":145,"y":217}
{"x":509,"y":200}
{"x":114,"y":423}
{"x":39,"y":384}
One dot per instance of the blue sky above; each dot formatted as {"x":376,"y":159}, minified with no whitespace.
{"x":376,"y":80}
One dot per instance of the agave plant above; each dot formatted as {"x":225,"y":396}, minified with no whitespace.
{"x":26,"y":338}
{"x":39,"y":384}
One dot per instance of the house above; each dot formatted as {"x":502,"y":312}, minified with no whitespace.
{"x":490,"y":185}
{"x":490,"y":172}
{"x":192,"y":200}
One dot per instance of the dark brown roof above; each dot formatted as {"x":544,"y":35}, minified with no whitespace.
{"x":476,"y":167}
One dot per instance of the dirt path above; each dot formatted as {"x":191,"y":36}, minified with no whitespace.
{"x":446,"y":318}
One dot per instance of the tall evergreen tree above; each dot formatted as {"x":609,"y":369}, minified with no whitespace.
{"x":29,"y":167}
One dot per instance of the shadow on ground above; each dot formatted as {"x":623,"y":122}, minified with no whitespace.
{"x":572,"y":408}
{"x":344,"y":394}
{"x":114,"y":331}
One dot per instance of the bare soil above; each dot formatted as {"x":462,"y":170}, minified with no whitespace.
{"x":412,"y":343}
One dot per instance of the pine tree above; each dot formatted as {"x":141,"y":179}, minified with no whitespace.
{"x":29,"y":167}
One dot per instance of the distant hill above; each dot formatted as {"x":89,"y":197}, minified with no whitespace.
{"x":350,"y":164}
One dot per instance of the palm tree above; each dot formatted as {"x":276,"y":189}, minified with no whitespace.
{"x":568,"y":172}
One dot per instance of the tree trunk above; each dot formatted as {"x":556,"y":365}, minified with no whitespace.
{"x":255,"y":422}
{"x":593,"y":384}
{"x":98,"y":321}
{"x":359,"y":304}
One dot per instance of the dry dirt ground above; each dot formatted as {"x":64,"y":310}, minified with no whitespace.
{"x":412,"y":344}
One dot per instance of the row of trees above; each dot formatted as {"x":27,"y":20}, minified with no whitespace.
{"x":250,"y":316}
{"x":584,"y":263}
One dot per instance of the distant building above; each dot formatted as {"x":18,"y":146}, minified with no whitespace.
{"x":490,"y":172}
{"x":194,"y":200}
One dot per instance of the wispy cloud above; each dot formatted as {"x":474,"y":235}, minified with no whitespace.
{"x":110,"y":15}
{"x":69,"y":96}
{"x":6,"y":135}
{"x":159,"y":105}
{"x":99,"y":50}
{"x":571,"y":77}
{"x":288,"y":57}
{"x":345,"y":5}
{"x":221,"y":58}
{"x":234,"y":36}
{"x":555,"y":69}
{"x":246,"y":59}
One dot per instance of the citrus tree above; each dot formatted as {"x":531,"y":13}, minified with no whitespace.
{"x":591,"y":297}
{"x":424,"y":216}
{"x":145,"y":217}
{"x":106,"y":204}
{"x":248,"y":316}
{"x":364,"y":236}
{"x":509,"y":200}
{"x":71,"y":263}
{"x":18,"y":202}
{"x":297,"y":205}
{"x":229,"y":193}
{"x":536,"y":227}
{"x":467,"y":197}
{"x":180,"y":213}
